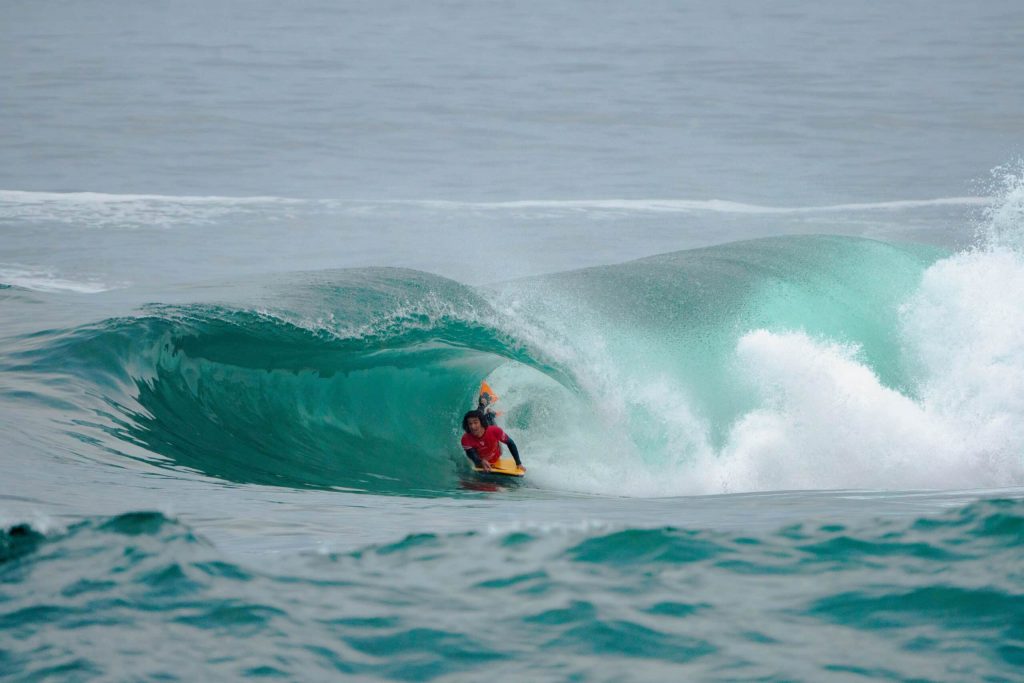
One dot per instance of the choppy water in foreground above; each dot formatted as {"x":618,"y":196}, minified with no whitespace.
{"x":143,"y":597}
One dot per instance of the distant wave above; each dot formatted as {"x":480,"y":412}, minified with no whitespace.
{"x":95,"y":209}
{"x":709,"y":205}
{"x":42,"y":280}
{"x":131,"y":210}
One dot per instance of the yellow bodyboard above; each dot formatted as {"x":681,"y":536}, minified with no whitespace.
{"x":505,"y":466}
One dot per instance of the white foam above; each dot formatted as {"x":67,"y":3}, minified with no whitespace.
{"x":701,"y":205}
{"x":966,"y":328}
{"x":550,"y":528}
{"x":42,"y":280}
{"x":37,"y":520}
{"x":105,"y":210}
{"x":26,"y":197}
{"x":826,"y":421}
{"x":621,"y":440}
{"x":823,"y":419}
{"x":100,"y":210}
{"x":1004,"y":226}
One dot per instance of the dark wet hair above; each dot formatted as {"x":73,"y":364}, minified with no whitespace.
{"x":473,"y":413}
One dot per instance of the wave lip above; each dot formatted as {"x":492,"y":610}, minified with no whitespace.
{"x":355,"y":381}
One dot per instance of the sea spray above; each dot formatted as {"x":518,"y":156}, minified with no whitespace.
{"x":850,"y":372}
{"x":828,"y":422}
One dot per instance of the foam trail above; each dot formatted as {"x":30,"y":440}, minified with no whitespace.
{"x":40,"y":280}
{"x":129,"y":210}
{"x":705,"y":205}
{"x":27,"y":197}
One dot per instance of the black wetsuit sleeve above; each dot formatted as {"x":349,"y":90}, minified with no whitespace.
{"x":474,"y":456}
{"x":513,"y":450}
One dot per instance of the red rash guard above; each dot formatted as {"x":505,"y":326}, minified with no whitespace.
{"x":487,"y":446}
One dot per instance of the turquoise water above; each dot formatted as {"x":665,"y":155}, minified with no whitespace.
{"x":748,"y":279}
{"x":741,"y":460}
{"x":356,"y":379}
{"x":923,"y":599}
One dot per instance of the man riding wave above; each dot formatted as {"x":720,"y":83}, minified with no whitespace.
{"x":482,"y":443}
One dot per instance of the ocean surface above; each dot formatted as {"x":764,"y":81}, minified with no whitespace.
{"x":747,"y":277}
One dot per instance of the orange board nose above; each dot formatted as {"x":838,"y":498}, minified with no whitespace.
{"x":485,"y":388}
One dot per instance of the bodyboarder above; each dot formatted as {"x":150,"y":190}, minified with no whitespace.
{"x":482,"y":443}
